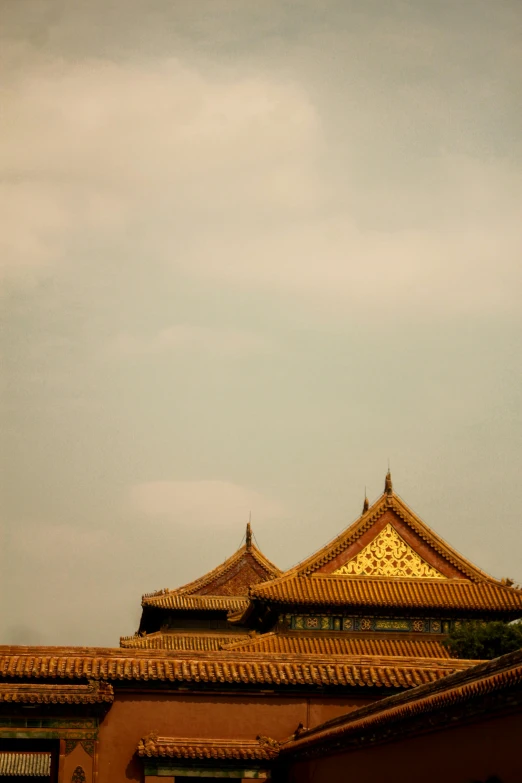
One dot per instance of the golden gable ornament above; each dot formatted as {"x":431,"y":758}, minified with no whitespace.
{"x":388,"y":554}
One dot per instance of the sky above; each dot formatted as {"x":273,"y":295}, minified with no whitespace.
{"x":250,"y":252}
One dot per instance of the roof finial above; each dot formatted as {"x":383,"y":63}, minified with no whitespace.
{"x":366,"y":504}
{"x":388,"y":486}
{"x":249,"y":533}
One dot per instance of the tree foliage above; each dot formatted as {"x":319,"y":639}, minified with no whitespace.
{"x":483,"y":641}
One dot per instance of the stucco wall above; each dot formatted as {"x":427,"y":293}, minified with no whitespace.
{"x":135,"y":714}
{"x":464,"y":754}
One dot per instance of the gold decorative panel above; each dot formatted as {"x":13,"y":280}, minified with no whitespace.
{"x":388,"y":555}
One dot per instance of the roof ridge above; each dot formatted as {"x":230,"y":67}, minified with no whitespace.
{"x":220,"y":570}
{"x":19,"y":655}
{"x":388,"y":500}
{"x":439,"y":543}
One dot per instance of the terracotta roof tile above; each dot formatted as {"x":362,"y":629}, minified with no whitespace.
{"x":428,"y":707}
{"x":174,"y":600}
{"x":229,"y":581}
{"x":223,"y":667}
{"x":96,"y":692}
{"x":382,"y":592}
{"x":301,"y":644}
{"x":185,"y":748}
{"x":180,"y":641}
{"x":25,"y":764}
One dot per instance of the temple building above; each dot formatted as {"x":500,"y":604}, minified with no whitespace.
{"x":196,"y":616}
{"x":388,"y":585}
{"x":249,"y":672}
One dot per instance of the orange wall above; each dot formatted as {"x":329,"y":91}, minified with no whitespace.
{"x":175,"y":714}
{"x":462,"y":754}
{"x":77,"y":758}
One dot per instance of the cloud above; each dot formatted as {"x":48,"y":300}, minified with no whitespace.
{"x":121,"y":144}
{"x":460,"y":259}
{"x":51,"y":544}
{"x":233,"y":180}
{"x":223,"y":343}
{"x":221,"y":179}
{"x":212,"y":502}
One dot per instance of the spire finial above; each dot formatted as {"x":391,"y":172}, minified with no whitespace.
{"x":249,"y":533}
{"x":388,"y":486}
{"x":366,"y":504}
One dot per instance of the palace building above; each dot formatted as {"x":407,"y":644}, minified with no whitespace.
{"x":250,"y":672}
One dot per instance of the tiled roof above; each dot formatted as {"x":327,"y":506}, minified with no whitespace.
{"x":223,"y":587}
{"x":346,"y":591}
{"x":482,"y":689}
{"x":25,"y":764}
{"x":224,"y":667}
{"x":248,"y":552}
{"x":391,"y":501}
{"x":180,"y":641}
{"x":174,"y":600}
{"x":301,"y":644}
{"x":185,"y":748}
{"x":95,"y":692}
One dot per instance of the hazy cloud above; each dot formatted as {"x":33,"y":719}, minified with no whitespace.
{"x":248,"y":252}
{"x":223,"y":343}
{"x":220,"y":503}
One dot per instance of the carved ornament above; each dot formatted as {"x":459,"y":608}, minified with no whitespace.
{"x":388,"y":554}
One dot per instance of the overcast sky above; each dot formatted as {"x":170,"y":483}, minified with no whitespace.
{"x":250,"y":251}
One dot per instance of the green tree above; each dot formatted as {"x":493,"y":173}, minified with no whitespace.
{"x":483,"y":641}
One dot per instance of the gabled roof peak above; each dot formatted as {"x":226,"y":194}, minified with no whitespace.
{"x":374,"y":517}
{"x":231,"y":579}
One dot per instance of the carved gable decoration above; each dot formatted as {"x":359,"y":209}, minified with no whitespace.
{"x":388,"y":554}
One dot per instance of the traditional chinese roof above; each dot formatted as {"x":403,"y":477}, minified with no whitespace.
{"x":368,"y":592}
{"x":483,"y":689}
{"x":27,"y":764}
{"x":219,"y":749}
{"x":95,"y":692}
{"x":389,"y":558}
{"x":223,"y":668}
{"x":224,"y":588}
{"x":342,"y":644}
{"x":176,"y":600}
{"x":181,"y":641}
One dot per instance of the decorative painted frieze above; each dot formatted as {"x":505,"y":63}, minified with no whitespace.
{"x":312,"y":622}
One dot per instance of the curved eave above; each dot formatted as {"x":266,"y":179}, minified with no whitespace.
{"x":191,"y":603}
{"x":351,"y":593}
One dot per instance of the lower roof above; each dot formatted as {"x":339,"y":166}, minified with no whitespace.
{"x":302,"y":644}
{"x":25,"y":764}
{"x":194,"y":603}
{"x":153,"y":746}
{"x":483,"y":689}
{"x":164,"y":640}
{"x":95,"y":692}
{"x":230,"y":668}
